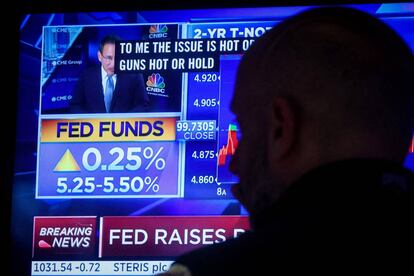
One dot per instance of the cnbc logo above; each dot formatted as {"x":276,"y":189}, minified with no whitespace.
{"x":158,"y":31}
{"x":156,"y":85}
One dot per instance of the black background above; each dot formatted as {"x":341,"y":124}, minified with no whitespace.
{"x":11,"y":18}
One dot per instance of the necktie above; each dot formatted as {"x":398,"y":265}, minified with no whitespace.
{"x":109,"y":90}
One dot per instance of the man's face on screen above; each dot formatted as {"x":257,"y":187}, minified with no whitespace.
{"x":106,"y":57}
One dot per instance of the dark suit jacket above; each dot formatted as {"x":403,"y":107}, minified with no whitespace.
{"x":129,"y":94}
{"x":350,"y":216}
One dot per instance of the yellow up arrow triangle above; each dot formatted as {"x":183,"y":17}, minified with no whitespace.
{"x":67,"y":163}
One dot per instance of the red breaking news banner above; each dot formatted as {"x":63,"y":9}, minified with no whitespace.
{"x":165,"y":236}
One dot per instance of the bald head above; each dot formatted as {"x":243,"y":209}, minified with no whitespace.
{"x":325,"y":85}
{"x":342,"y":70}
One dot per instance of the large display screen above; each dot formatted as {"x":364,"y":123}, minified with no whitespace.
{"x":117,"y":174}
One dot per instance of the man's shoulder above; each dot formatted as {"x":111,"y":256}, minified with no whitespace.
{"x":227,"y":256}
{"x":91,"y":70}
{"x":130,"y":76}
{"x":354,"y":174}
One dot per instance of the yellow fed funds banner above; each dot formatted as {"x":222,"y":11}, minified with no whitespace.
{"x":108,"y":130}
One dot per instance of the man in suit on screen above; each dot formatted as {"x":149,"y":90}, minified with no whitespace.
{"x":100,"y":90}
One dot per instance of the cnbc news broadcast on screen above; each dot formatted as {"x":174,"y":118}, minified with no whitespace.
{"x":125,"y":134}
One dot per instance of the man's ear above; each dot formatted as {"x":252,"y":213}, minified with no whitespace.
{"x":99,"y":56}
{"x":282,"y":129}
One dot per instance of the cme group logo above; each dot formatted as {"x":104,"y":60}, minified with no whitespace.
{"x":60,"y":30}
{"x":61,"y":98}
{"x":156,"y":85}
{"x":158,"y":31}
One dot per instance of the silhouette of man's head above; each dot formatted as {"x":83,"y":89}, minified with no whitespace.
{"x":325,"y":85}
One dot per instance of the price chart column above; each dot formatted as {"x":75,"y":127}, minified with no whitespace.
{"x":200,"y":155}
{"x":207,"y":161}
